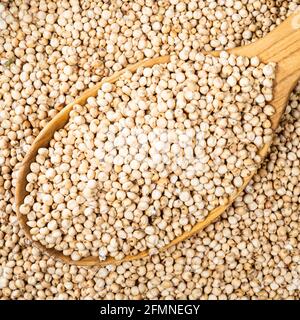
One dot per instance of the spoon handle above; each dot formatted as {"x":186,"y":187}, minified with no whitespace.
{"x":282,"y":46}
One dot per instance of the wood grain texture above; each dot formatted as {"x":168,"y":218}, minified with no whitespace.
{"x":282,"y":46}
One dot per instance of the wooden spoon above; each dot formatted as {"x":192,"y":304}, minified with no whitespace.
{"x":282,"y":46}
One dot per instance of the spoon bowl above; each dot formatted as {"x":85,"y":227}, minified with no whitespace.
{"x":281,"y":46}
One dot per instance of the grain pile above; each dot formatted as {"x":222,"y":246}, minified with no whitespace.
{"x":50,"y":52}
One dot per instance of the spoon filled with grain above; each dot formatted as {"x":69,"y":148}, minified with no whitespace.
{"x":156,"y":152}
